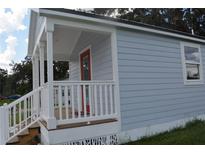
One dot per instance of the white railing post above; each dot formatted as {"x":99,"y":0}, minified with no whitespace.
{"x":4,"y":124}
{"x":44,"y":96}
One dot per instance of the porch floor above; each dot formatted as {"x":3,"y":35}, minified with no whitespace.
{"x":80,"y":124}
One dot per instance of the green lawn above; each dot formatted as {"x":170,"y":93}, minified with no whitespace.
{"x":192,"y":133}
{"x":5,"y":101}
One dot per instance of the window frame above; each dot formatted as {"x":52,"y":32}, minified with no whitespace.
{"x":186,"y":81}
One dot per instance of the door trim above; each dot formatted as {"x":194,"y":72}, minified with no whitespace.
{"x":81,"y":52}
{"x":86,"y":51}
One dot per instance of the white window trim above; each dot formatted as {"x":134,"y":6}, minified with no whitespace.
{"x":191,"y":82}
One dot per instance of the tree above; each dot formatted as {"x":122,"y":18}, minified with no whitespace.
{"x":20,"y":81}
{"x":60,"y":70}
{"x":182,"y":19}
{"x":22,"y":76}
{"x":3,"y":76}
{"x":195,"y":20}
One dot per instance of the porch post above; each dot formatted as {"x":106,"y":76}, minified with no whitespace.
{"x":116,"y":75}
{"x":35,"y":62}
{"x":42,"y":51}
{"x":51,"y":121}
{"x":41,"y":47}
{"x":37,"y":69}
{"x":33,"y":72}
{"x":4,"y":124}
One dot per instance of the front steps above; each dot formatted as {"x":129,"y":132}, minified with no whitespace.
{"x":30,"y":136}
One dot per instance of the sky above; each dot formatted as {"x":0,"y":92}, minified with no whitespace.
{"x":13,"y":35}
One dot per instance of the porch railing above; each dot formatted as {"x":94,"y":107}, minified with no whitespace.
{"x":19,"y":115}
{"x":83,"y":101}
{"x":74,"y":101}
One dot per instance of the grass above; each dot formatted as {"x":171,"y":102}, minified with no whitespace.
{"x":192,"y":134}
{"x":5,"y":101}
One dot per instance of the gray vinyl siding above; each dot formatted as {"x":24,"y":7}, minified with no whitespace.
{"x":101,"y":56}
{"x":152,"y":89}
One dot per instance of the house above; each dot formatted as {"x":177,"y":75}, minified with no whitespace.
{"x":126,"y":80}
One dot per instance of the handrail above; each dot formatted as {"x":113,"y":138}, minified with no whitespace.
{"x":19,"y":115}
{"x":83,"y":82}
{"x":25,"y":96}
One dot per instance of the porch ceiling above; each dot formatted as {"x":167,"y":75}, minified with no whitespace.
{"x":64,"y":41}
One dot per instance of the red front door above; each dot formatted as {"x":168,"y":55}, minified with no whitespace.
{"x":85,"y":66}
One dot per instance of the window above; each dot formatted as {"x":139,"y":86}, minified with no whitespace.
{"x":192,"y":64}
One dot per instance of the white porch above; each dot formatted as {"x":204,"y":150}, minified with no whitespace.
{"x":63,"y":102}
{"x":77,"y":101}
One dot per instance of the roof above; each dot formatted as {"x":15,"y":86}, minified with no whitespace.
{"x":124,"y":21}
{"x":105,"y":20}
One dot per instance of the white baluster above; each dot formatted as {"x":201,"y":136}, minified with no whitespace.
{"x":14,"y":117}
{"x":106,"y":100}
{"x":66,"y":101}
{"x":10,"y":124}
{"x":114,"y":99}
{"x":84,"y":100}
{"x":90,"y":99}
{"x":27,"y":103}
{"x":72,"y":101}
{"x":60,"y":101}
{"x":95,"y":99}
{"x":78,"y":96}
{"x":20,"y":115}
{"x":111,"y":100}
{"x":29,"y":106}
{"x":37,"y":110}
{"x":25,"y":112}
{"x":101,"y":103}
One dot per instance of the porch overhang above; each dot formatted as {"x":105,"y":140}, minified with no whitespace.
{"x":65,"y":35}
{"x":64,"y":41}
{"x":116,"y":22}
{"x":32,"y":28}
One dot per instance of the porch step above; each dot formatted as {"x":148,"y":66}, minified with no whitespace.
{"x":29,"y":137}
{"x":25,"y":132}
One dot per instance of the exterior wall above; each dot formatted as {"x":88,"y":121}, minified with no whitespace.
{"x":100,"y":53}
{"x":152,"y":89}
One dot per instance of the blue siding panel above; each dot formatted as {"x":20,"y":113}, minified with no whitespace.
{"x":101,"y":56}
{"x":152,"y":89}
